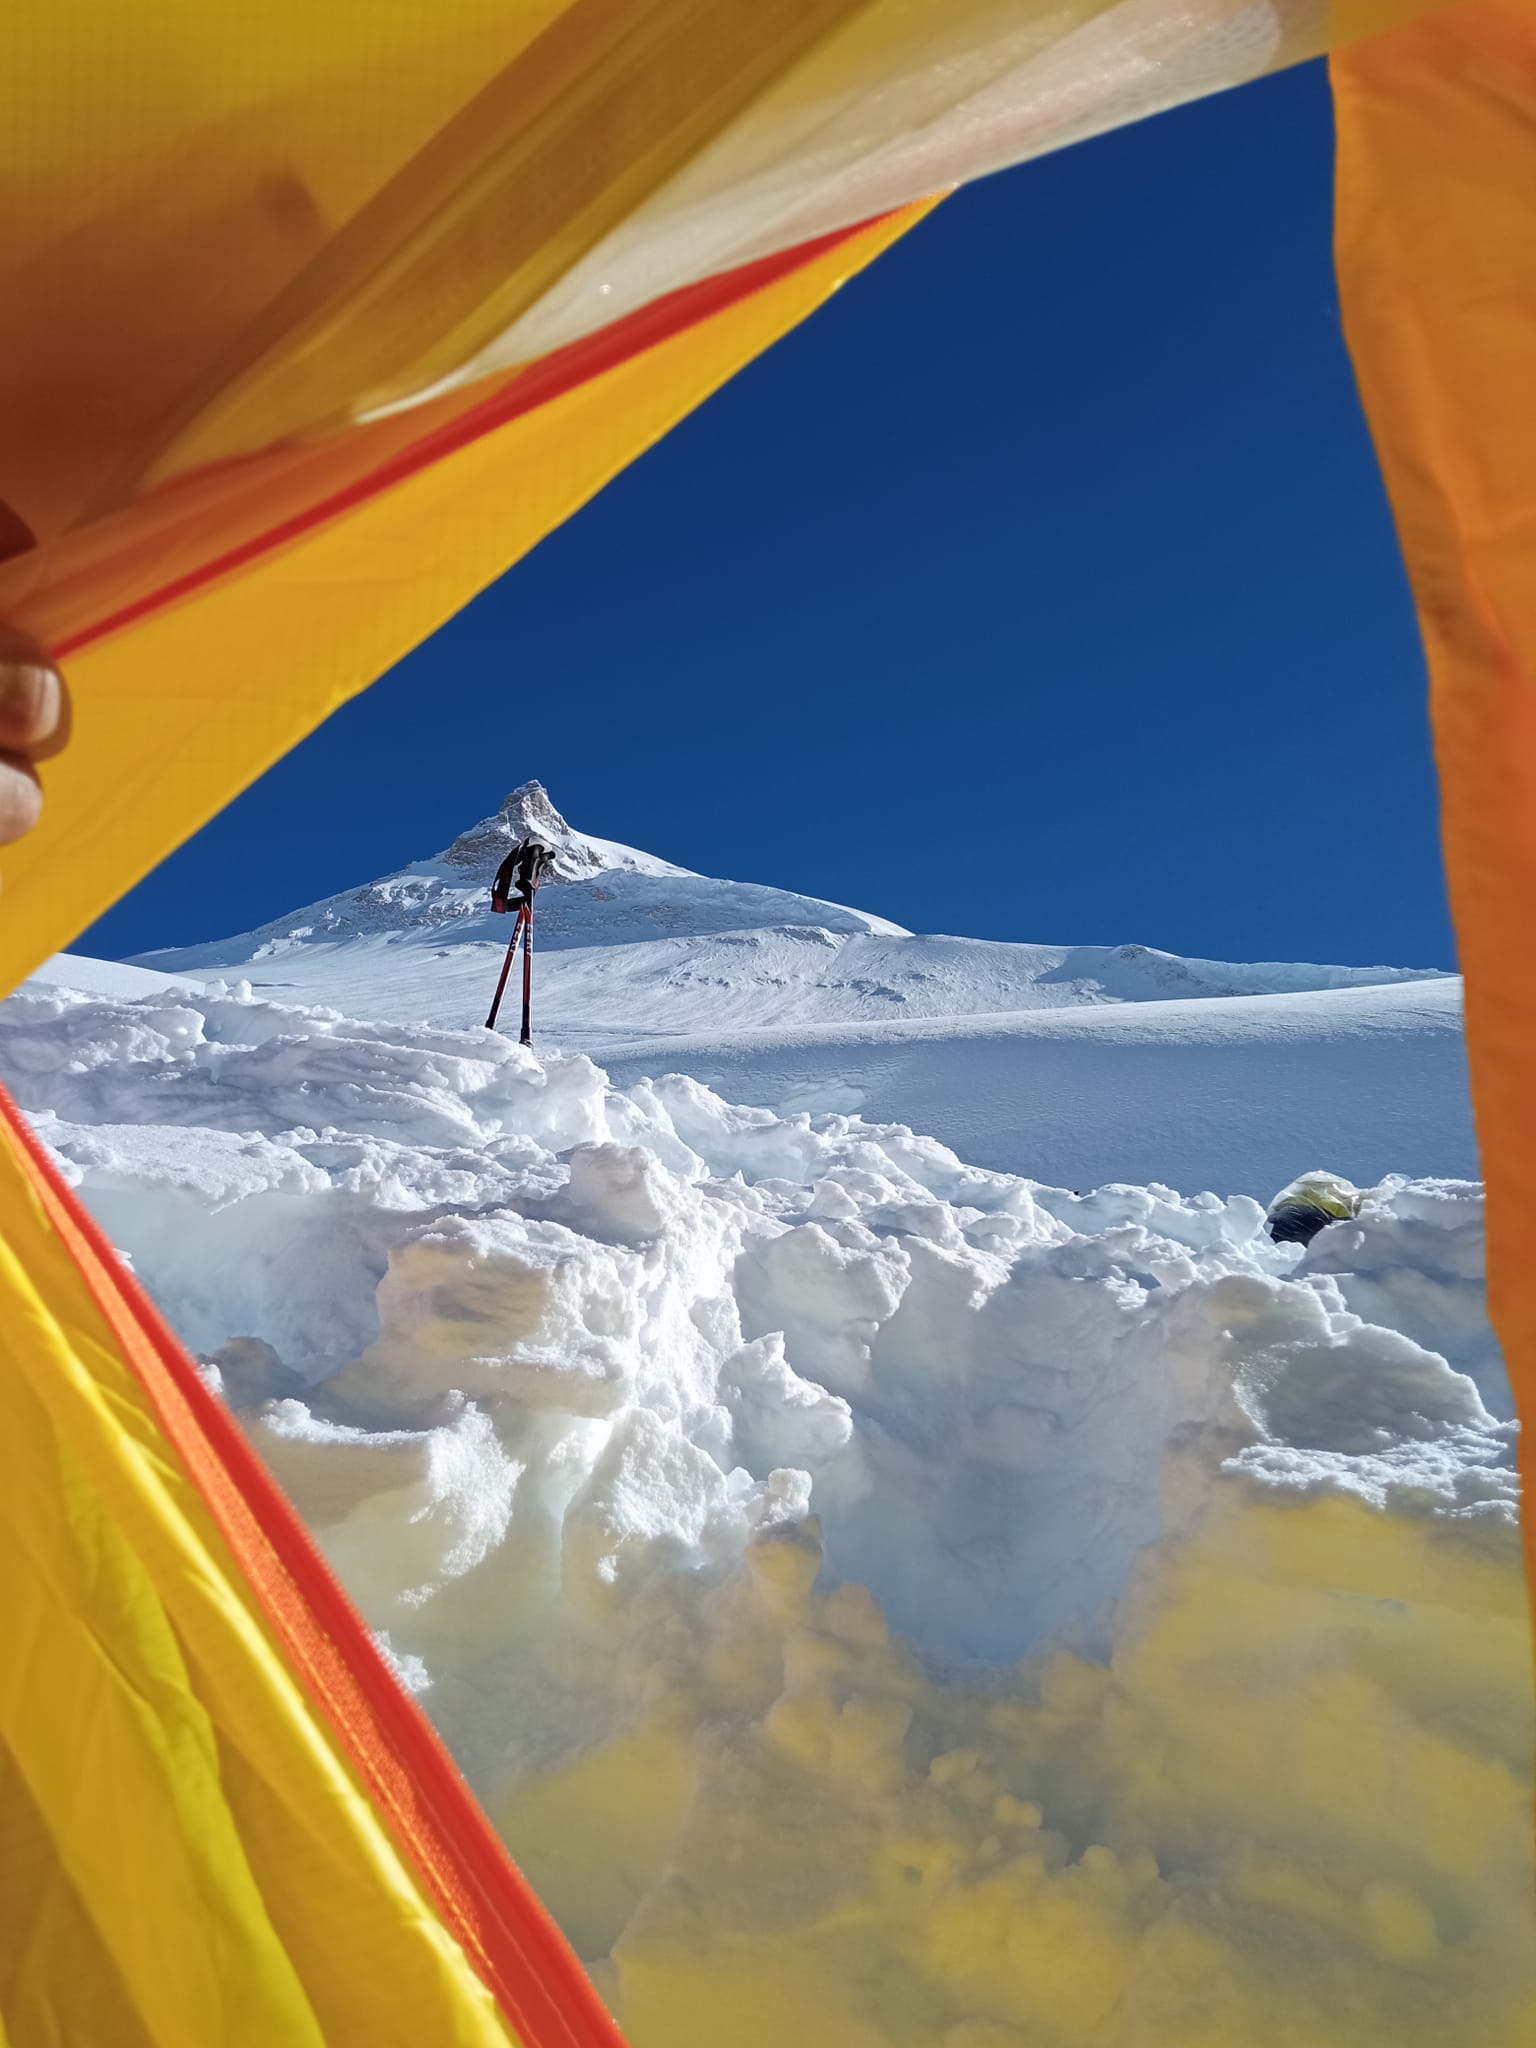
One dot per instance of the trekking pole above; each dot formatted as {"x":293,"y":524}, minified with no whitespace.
{"x":527,"y":1037}
{"x":506,"y":969}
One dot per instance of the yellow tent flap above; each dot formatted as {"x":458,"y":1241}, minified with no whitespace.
{"x":221,"y":1820}
{"x":1437,"y":264}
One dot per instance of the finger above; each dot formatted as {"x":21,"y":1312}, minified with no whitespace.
{"x":21,"y":798}
{"x":34,"y":704}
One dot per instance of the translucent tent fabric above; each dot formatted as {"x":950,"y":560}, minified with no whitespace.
{"x":1437,"y":266}
{"x":216,"y":1823}
{"x":315,"y":320}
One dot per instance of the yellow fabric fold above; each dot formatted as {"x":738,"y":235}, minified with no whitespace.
{"x":1437,"y":269}
{"x":175,"y":714}
{"x":185,"y":1857}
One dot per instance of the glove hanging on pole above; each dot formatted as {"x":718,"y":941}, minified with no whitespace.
{"x":517,"y":881}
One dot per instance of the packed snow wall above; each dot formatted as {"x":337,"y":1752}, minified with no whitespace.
{"x":879,"y":1601}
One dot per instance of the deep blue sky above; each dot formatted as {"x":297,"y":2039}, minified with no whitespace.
{"x":1040,"y":587}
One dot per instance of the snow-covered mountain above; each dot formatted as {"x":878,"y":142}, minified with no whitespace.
{"x":598,"y":893}
{"x":634,"y":947}
{"x":1078,"y":1064}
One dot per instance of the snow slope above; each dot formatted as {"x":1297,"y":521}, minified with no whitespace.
{"x":1227,"y":1094}
{"x":106,"y":977}
{"x":883,"y":1602}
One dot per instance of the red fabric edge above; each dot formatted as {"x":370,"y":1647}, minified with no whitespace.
{"x":549,"y":378}
{"x":482,"y":1897}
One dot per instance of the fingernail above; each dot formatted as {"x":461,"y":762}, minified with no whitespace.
{"x":30,"y":703}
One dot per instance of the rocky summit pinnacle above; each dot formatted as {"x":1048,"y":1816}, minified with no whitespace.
{"x":526,"y":813}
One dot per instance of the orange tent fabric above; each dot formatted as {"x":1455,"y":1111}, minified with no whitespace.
{"x":1437,"y":266}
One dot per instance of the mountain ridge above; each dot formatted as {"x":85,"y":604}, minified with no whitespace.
{"x":632,"y":944}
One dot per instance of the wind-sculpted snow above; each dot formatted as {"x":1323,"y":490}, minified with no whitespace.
{"x":884,"y":1603}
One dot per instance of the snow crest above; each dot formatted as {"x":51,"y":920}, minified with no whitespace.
{"x":597,"y":892}
{"x":878,"y":1599}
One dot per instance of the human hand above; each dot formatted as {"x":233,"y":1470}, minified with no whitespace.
{"x":34,"y":724}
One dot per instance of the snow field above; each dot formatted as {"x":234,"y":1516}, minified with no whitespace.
{"x":1225,"y":1092}
{"x":883,"y":1602}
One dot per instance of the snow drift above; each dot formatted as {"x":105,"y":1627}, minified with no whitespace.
{"x":881,"y":1600}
